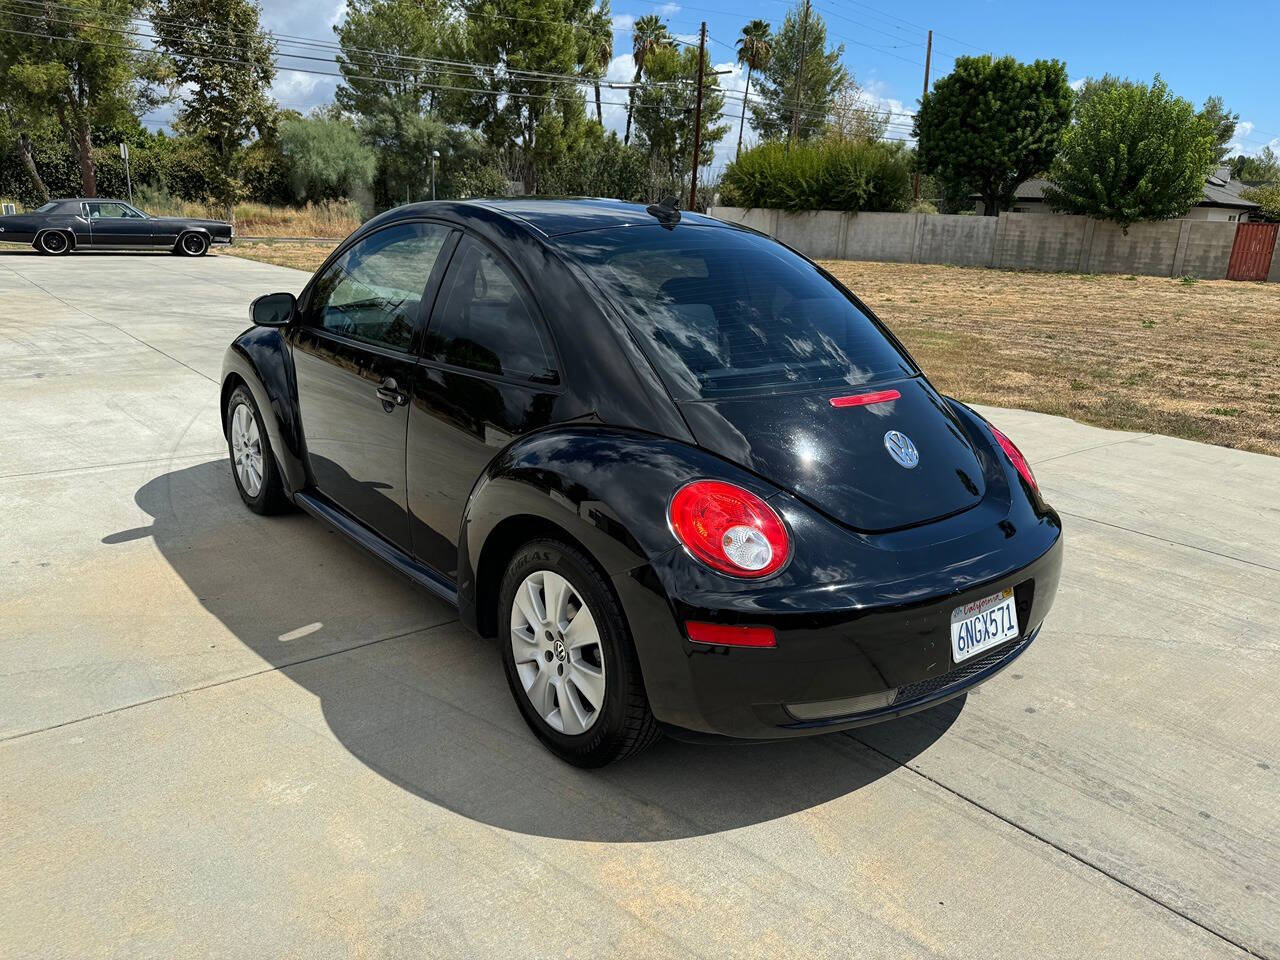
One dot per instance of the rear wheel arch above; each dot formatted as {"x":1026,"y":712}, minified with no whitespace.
{"x":70,"y":236}
{"x":502,"y":543}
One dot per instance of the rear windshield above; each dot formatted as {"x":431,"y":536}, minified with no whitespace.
{"x":45,"y":208}
{"x":726,"y":312}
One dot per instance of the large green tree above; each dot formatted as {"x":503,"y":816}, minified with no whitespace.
{"x":992,"y":123}
{"x":1135,"y":152}
{"x":391,"y":54}
{"x":397,"y":59}
{"x":665,"y":111}
{"x":532,"y":56}
{"x":227,"y":63}
{"x":76,"y":64}
{"x":782,"y":106}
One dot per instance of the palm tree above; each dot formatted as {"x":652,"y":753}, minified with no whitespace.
{"x":648,"y":34}
{"x":599,"y":32}
{"x":755,"y":47}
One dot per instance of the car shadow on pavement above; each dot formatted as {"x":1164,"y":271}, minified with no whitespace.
{"x":423,"y":702}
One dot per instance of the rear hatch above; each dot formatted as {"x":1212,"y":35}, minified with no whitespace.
{"x":836,"y":458}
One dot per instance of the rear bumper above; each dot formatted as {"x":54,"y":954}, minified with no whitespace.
{"x":897,"y":656}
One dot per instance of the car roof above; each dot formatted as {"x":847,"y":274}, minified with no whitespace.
{"x":88,"y":200}
{"x":556,"y":216}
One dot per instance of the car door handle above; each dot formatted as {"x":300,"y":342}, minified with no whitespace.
{"x":390,"y":393}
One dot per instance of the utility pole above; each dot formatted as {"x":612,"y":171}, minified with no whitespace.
{"x":928,"y":55}
{"x":697,"y":117}
{"x":795,"y":104}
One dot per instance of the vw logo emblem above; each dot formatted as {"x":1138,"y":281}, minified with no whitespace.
{"x":901,"y":449}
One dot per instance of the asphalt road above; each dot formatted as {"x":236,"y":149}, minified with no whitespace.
{"x":225,"y":735}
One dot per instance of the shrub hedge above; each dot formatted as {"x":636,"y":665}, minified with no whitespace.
{"x":848,"y":175}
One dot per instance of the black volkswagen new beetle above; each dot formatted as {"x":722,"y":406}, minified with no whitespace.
{"x":687,"y":479}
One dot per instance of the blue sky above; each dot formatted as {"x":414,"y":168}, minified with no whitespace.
{"x":1199,"y":49}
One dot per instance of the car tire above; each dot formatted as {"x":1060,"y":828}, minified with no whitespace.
{"x":554,"y":662}
{"x":192,"y":245}
{"x":54,"y":243}
{"x":253,"y":465}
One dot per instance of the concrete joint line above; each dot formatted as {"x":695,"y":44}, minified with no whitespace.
{"x":1151,"y":898}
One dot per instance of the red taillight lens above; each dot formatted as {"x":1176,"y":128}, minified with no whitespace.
{"x":730,"y":636}
{"x":1016,"y":458}
{"x":729,"y":529}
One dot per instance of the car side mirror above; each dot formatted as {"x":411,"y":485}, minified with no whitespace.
{"x":273,"y":309}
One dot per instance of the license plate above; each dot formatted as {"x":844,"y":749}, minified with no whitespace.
{"x":982,"y":624}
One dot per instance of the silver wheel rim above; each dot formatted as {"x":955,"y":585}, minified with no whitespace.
{"x":557,"y":650}
{"x":55,"y":242}
{"x":192,"y":244}
{"x":246,"y":449}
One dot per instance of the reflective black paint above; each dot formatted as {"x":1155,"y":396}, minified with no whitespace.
{"x":881,"y":555}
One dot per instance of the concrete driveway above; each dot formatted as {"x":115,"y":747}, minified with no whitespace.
{"x":226,"y":735}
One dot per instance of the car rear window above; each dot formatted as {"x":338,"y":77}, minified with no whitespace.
{"x":723,"y":312}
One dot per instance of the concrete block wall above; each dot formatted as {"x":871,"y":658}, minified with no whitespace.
{"x":1012,"y":241}
{"x":1031,"y":241}
{"x":879,"y":236}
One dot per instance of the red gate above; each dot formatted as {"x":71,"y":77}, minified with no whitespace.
{"x":1251,"y":252}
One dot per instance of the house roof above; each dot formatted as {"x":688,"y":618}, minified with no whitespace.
{"x":1217,"y":193}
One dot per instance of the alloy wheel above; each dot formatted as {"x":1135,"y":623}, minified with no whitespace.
{"x":54,"y":242}
{"x":558,"y":655}
{"x":246,"y":448}
{"x":193,"y":244}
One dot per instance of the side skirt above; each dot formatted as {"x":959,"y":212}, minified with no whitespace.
{"x":345,"y":523}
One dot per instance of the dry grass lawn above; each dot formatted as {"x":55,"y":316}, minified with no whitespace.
{"x":301,"y":256}
{"x":1196,"y":360}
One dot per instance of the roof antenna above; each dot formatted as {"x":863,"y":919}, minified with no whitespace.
{"x":666,"y":211}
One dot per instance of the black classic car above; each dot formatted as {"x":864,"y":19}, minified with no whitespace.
{"x":686,"y":479}
{"x":61,"y":226}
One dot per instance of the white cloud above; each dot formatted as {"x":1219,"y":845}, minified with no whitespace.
{"x":623,"y":21}
{"x":1078,"y":84}
{"x":668,"y":9}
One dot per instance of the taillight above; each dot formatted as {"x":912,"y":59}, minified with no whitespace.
{"x":729,"y":529}
{"x":1016,"y":458}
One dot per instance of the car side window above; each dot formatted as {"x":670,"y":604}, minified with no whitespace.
{"x":484,"y":321}
{"x":108,"y":211}
{"x":373,"y":291}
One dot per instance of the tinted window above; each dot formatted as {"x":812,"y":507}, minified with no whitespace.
{"x":112,"y":211}
{"x":484,"y":322}
{"x":45,"y":207}
{"x":720,"y":312}
{"x":372,"y":292}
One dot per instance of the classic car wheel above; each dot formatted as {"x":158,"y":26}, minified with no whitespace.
{"x":569,"y":658}
{"x":192,"y":245}
{"x":53,"y":242}
{"x":253,"y":466}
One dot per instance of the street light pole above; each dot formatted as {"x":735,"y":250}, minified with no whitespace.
{"x":435,"y":155}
